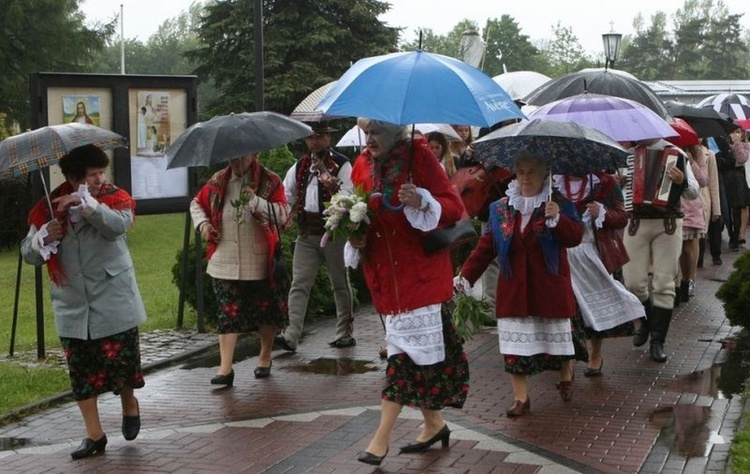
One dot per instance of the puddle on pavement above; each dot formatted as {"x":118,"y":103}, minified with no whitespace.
{"x":7,"y":444}
{"x":337,"y":366}
{"x":686,"y":426}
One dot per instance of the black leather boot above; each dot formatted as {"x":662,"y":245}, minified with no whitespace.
{"x":641,"y":335}
{"x":661,"y":317}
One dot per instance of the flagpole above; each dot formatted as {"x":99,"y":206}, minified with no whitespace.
{"x":122,"y":39}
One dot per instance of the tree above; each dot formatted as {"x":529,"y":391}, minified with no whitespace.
{"x":706,"y":43}
{"x":508,"y":49}
{"x":565,"y":53}
{"x":307,"y":44}
{"x":646,"y":53}
{"x":42,"y":35}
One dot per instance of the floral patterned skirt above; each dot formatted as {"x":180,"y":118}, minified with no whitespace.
{"x":538,"y":363}
{"x":431,"y":387}
{"x":246,"y":305}
{"x":98,"y":366}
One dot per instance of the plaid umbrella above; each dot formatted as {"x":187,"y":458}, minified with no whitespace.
{"x":45,"y":146}
{"x":736,"y":106}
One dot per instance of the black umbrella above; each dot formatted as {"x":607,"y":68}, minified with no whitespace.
{"x":226,"y":137}
{"x":706,"y":121}
{"x":571,"y":148}
{"x":599,"y":82}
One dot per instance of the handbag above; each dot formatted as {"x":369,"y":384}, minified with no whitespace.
{"x":279,"y":274}
{"x":444,"y":238}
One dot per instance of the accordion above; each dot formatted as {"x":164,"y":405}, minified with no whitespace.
{"x":649,"y":182}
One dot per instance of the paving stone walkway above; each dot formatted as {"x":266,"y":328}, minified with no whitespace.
{"x":319,"y":408}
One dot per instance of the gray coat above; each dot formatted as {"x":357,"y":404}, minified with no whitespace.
{"x":100,"y":296}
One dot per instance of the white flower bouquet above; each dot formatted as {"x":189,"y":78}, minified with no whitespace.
{"x":346,"y":215}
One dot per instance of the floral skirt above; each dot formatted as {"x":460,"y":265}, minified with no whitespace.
{"x":246,"y":305}
{"x":431,"y":387}
{"x":98,"y":366}
{"x":538,"y":363}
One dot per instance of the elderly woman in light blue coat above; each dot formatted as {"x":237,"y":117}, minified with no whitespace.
{"x":95,"y":297}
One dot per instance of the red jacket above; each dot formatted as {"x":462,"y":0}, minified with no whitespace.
{"x":398,"y":273}
{"x":531,"y":290}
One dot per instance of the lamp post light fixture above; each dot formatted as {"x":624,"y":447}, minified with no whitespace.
{"x":611,"y":42}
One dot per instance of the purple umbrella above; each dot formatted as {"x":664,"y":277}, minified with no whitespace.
{"x":620,"y":119}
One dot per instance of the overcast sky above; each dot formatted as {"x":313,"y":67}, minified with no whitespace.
{"x":588,"y":19}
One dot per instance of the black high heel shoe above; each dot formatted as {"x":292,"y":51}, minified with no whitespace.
{"x":263,"y":372}
{"x":443,"y":435}
{"x":371,"y":459}
{"x":131,"y":425}
{"x":227,"y":379}
{"x":89,"y":447}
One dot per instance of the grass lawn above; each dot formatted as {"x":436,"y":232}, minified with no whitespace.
{"x":154,"y":242}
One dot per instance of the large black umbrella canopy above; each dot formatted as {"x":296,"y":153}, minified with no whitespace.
{"x":598,"y":82}
{"x":226,"y":137}
{"x":737,"y":106}
{"x":569,"y":147}
{"x":706,"y":121}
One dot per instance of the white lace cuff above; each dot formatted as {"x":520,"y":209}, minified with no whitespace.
{"x":599,"y":221}
{"x":45,"y":251}
{"x":551,"y":222}
{"x":427,"y":218}
{"x":351,"y":256}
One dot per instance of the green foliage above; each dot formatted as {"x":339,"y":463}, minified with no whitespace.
{"x":21,"y":385}
{"x":468,"y":315}
{"x":41,"y":35}
{"x":509,"y":49}
{"x":705,"y":42}
{"x":735,"y":293}
{"x":565,"y":53}
{"x":303,"y":44}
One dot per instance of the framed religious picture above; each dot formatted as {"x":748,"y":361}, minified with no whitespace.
{"x":149,"y":111}
{"x":81,"y":109}
{"x":160,"y":114}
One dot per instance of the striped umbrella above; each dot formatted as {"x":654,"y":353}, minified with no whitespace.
{"x":43,"y":147}
{"x":736,"y":106}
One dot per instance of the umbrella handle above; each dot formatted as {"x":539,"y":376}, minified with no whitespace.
{"x":46,"y":194}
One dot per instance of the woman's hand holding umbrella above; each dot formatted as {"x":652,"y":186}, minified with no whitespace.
{"x":408,"y":196}
{"x":54,"y":232}
{"x":551,"y":210}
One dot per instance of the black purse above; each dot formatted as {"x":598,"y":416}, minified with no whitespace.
{"x":444,"y":238}
{"x":279,"y":274}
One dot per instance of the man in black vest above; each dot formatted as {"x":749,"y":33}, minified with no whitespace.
{"x":315,"y":177}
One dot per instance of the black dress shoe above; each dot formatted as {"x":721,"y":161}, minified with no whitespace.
{"x":262,"y":372}
{"x":345,"y":341}
{"x":369,"y":458}
{"x":89,"y":447}
{"x":443,"y":435}
{"x":131,"y":425}
{"x":227,"y":379}
{"x":591,"y":372}
{"x":280,"y":341}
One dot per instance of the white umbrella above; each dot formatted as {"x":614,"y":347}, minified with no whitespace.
{"x":616,"y":71}
{"x":518,"y":84}
{"x":443,"y":128}
{"x":305,"y":111}
{"x":356,"y":137}
{"x":353,"y":137}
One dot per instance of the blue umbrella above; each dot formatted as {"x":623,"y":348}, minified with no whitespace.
{"x":418,"y":87}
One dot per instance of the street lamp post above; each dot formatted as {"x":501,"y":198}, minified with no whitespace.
{"x":611,"y":42}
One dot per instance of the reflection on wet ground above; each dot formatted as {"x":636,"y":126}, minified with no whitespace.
{"x":334,"y":366}
{"x":686,"y":425}
{"x":13,"y":443}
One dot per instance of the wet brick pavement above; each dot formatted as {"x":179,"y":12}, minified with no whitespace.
{"x":639,"y":416}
